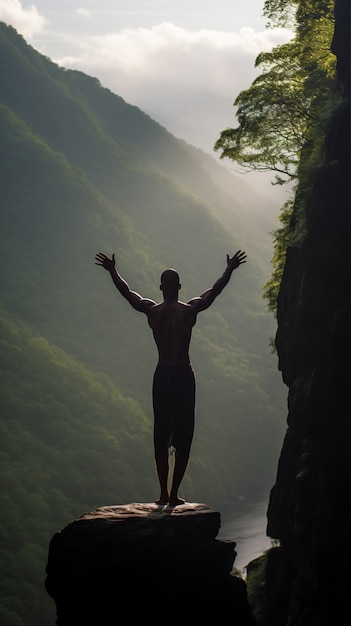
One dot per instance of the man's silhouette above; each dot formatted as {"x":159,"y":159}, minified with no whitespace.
{"x":173,"y":389}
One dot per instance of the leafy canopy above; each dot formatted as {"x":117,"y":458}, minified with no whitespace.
{"x":282,"y":115}
{"x":275,"y":112}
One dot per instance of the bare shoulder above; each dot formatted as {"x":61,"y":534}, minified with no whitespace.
{"x":144,"y":305}
{"x":195,"y":303}
{"x":172,"y":309}
{"x":200,"y":303}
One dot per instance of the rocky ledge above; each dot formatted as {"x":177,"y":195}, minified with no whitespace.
{"x":144,"y":561}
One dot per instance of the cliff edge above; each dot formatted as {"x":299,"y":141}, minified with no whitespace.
{"x":144,"y":561}
{"x":307,"y":577}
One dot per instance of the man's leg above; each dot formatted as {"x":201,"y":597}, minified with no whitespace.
{"x":162,"y":467}
{"x":183,"y":427}
{"x":180,"y":466}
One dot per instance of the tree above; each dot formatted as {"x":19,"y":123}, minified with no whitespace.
{"x":282,"y":115}
{"x":276,"y":111}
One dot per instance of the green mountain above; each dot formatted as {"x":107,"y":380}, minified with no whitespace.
{"x":83,"y":171}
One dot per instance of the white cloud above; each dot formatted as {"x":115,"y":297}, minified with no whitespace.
{"x":185,"y":79}
{"x":151,"y":50}
{"x":27,"y":21}
{"x":83,"y":12}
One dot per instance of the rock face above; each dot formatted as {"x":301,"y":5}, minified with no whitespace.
{"x":141,"y":562}
{"x":307,"y":578}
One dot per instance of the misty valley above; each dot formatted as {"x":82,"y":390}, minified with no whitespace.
{"x":83,"y":171}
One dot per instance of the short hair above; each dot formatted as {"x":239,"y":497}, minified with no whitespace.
{"x":170,"y":278}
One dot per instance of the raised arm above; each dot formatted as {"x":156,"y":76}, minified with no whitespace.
{"x":207,"y":297}
{"x":135,"y":300}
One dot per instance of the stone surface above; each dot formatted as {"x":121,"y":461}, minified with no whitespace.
{"x":143,"y":561}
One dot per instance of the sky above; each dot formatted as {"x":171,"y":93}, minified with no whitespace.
{"x":183,"y":62}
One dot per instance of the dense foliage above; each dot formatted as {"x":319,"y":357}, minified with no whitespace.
{"x":282,"y":115}
{"x":82,"y":171}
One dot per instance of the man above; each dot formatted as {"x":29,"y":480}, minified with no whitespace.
{"x":173,"y":391}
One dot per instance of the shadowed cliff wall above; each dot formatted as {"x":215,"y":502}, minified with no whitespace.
{"x":307,"y":577}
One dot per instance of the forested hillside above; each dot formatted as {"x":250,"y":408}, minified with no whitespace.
{"x":83,"y":171}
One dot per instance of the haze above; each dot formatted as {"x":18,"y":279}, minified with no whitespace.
{"x":183,"y":63}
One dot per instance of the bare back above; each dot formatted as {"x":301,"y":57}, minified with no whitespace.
{"x":171,"y":320}
{"x":172,"y":323}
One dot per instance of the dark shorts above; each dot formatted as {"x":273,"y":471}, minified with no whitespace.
{"x":173,"y":395}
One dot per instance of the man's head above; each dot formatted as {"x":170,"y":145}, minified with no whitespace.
{"x":170,"y":284}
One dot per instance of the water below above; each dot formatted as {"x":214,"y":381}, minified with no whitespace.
{"x":245,"y":523}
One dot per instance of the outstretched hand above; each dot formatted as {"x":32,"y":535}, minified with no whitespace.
{"x":238,"y":258}
{"x":104,"y":261}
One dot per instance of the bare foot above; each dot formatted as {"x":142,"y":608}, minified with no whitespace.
{"x":176,"y":501}
{"x":163,"y":499}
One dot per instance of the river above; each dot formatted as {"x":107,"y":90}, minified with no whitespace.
{"x":245,"y":523}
